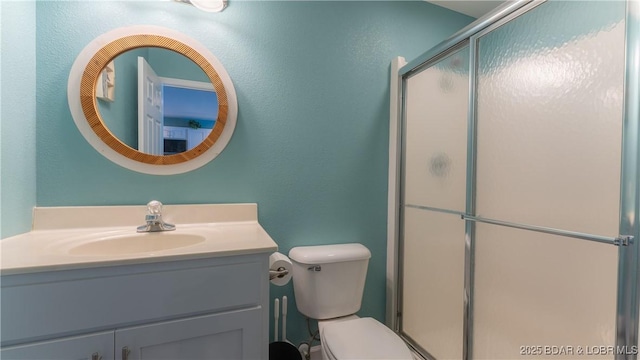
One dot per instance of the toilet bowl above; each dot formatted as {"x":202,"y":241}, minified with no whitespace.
{"x":328,"y":283}
{"x":361,"y":338}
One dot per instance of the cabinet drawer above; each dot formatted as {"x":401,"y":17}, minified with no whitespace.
{"x":40,"y":311}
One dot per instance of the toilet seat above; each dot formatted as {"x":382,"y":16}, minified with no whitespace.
{"x":362,"y":338}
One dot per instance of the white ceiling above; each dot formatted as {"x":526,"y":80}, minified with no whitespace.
{"x":475,"y":8}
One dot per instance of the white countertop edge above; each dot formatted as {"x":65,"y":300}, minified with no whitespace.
{"x":67,"y":217}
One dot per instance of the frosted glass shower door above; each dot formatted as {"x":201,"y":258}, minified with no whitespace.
{"x":434,"y":197}
{"x":436,"y":134}
{"x":549,"y":129}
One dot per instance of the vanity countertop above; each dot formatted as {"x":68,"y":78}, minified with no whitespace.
{"x":66,"y":238}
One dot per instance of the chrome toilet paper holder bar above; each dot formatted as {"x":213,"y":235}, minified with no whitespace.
{"x":278,"y":273}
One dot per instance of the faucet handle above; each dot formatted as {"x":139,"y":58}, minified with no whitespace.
{"x":154,"y":207}
{"x":154,"y":219}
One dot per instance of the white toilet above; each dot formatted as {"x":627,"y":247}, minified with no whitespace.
{"x":328,"y":282}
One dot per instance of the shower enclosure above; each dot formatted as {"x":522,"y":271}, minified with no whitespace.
{"x":517,"y":211}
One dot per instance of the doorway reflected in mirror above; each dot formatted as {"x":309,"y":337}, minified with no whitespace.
{"x":160,"y":95}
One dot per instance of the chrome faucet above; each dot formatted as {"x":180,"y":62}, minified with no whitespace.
{"x":154,"y":219}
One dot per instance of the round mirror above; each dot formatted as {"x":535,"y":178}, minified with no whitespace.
{"x":152,"y":100}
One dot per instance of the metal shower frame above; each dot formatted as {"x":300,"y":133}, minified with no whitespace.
{"x":628,"y":301}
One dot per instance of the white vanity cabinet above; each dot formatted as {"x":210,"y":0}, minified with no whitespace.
{"x":229,"y":335}
{"x":214,"y":308}
{"x":222,"y":336}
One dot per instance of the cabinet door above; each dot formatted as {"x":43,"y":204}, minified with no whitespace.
{"x":225,"y":336}
{"x":95,"y":346}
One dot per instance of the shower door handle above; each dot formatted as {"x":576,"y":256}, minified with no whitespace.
{"x":620,"y":240}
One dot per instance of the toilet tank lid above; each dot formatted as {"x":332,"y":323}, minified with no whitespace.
{"x":326,"y":254}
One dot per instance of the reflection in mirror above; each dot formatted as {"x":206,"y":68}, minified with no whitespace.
{"x":162,"y":103}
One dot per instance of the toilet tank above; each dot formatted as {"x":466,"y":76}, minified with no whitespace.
{"x":328,"y":280}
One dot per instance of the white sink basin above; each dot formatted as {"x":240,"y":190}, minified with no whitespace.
{"x":136,"y":243}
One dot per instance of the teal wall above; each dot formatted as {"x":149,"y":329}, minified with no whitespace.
{"x":121,"y":114}
{"x":311,"y":144}
{"x":167,"y":63}
{"x":17,"y":116}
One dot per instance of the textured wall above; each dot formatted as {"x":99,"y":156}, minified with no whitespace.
{"x":311,"y":142}
{"x":18,"y":117}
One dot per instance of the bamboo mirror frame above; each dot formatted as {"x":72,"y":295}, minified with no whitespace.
{"x":81,"y":92}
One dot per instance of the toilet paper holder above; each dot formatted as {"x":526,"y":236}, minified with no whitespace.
{"x":278,"y":273}
{"x":280,"y":269}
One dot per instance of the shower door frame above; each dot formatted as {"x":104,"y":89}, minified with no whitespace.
{"x":628,"y":300}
